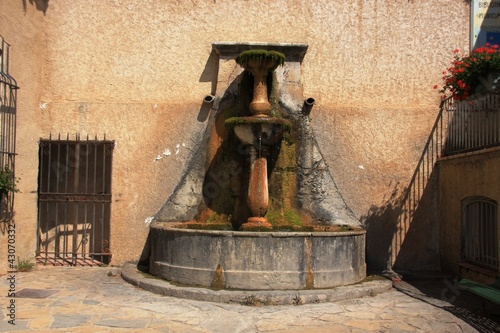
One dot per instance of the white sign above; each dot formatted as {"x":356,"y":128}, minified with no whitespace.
{"x":485,"y":23}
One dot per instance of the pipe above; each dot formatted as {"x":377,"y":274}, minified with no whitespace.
{"x":209,"y":99}
{"x":308,"y":104}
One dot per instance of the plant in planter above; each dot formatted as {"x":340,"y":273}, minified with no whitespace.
{"x":474,"y":73}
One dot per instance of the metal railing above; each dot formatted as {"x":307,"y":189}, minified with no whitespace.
{"x":473,"y":124}
{"x":412,"y":194}
{"x":460,"y":126}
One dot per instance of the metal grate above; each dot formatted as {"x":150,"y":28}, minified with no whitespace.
{"x":74,"y":202}
{"x":479,"y":232}
{"x":8,"y":107}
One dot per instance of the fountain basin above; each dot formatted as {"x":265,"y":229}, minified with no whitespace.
{"x":270,"y":260}
{"x":249,"y":129}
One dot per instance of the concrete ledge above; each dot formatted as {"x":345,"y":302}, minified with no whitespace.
{"x":131,"y":274}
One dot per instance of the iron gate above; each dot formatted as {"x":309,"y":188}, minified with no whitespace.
{"x":74,"y":202}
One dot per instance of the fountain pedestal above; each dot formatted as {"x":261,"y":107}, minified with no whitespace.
{"x":258,"y":194}
{"x":259,"y":133}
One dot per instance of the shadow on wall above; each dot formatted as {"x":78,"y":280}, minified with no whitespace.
{"x":41,"y":5}
{"x":381,"y":223}
{"x":402,"y":234}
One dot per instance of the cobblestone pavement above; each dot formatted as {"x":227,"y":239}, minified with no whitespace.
{"x":78,"y":299}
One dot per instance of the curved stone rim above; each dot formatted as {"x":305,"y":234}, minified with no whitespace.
{"x":175,"y":226}
{"x":156,"y":285}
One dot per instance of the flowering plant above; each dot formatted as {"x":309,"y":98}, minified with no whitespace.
{"x":469,"y":72}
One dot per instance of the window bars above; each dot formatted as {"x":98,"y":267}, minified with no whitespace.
{"x":8,"y":107}
{"x":479,"y":232}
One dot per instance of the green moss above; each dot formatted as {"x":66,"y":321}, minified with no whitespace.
{"x":233,"y":121}
{"x":207,"y":226}
{"x":283,"y":217}
{"x":274,"y":217}
{"x":292,"y":217}
{"x":263,"y":55}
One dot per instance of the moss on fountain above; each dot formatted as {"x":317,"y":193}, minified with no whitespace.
{"x":283,"y":212}
{"x":260,"y":55}
{"x":233,"y":121}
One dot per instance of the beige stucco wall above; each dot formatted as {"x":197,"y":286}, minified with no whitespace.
{"x":138,"y":70}
{"x":474,"y":174}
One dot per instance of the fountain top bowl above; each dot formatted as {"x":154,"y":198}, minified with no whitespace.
{"x":258,"y":131}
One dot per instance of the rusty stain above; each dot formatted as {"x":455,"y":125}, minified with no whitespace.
{"x":309,"y":271}
{"x":218,"y":279}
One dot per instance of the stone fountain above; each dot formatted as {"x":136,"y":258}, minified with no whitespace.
{"x":259,"y":131}
{"x":258,"y":208}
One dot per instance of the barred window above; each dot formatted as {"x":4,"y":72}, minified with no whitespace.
{"x":8,"y":106}
{"x":480,"y":231}
{"x":74,"y":201}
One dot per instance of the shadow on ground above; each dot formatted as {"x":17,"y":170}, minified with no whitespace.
{"x":444,"y":293}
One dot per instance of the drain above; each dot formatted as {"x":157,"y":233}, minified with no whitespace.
{"x":35,"y":293}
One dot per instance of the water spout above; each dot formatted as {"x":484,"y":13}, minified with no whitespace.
{"x":308,"y":104}
{"x":208,"y":100}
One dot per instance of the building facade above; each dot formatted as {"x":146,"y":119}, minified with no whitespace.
{"x":110,"y":107}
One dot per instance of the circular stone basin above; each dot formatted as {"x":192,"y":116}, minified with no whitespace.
{"x":257,"y":260}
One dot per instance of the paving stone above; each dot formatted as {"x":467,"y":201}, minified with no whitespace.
{"x":366,"y":325}
{"x":20,"y":325}
{"x":123,"y":323}
{"x":361,"y":315}
{"x":91,"y":301}
{"x":233,"y":325}
{"x":70,"y":320}
{"x":176,"y":327}
{"x":270,"y":326}
{"x":32,"y":313}
{"x":42,"y":322}
{"x":329,"y":329}
{"x":399,"y":327}
{"x":418,"y":323}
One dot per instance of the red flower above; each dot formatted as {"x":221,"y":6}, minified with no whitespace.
{"x":463,"y":75}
